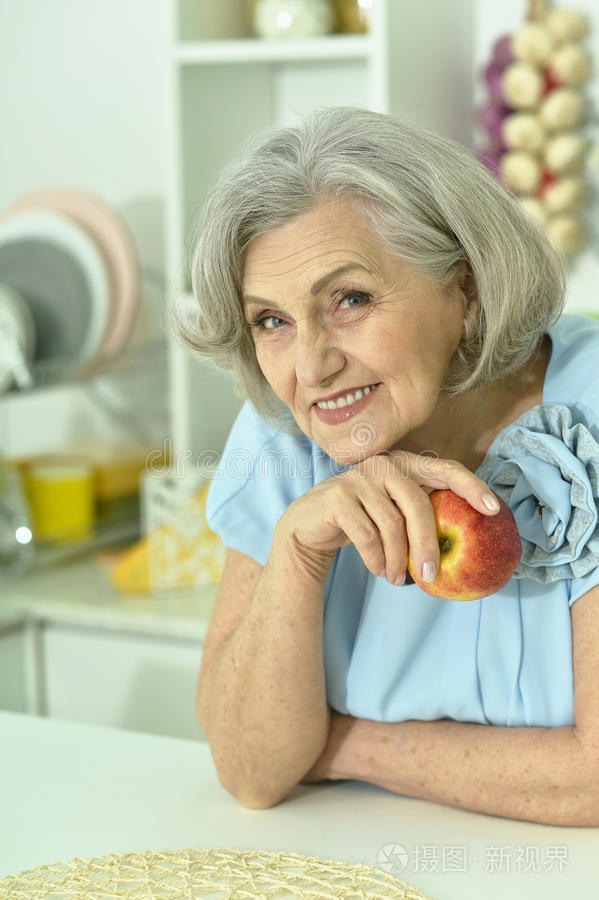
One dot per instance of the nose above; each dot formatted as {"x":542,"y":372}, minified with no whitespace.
{"x":318,"y":358}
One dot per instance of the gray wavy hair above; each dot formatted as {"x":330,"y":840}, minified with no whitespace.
{"x":432,"y":204}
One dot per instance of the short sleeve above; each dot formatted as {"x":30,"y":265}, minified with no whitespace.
{"x":545,"y":466}
{"x":580,"y":586}
{"x":261,"y":471}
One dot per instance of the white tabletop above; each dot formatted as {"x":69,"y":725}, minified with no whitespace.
{"x":69,"y":790}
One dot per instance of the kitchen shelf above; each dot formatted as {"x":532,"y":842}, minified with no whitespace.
{"x":242,"y":50}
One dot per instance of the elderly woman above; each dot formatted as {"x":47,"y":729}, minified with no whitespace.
{"x":393,"y":321}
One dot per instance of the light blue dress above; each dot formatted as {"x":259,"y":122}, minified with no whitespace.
{"x":394,"y":653}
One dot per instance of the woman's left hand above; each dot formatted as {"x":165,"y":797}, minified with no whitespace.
{"x":327,"y":766}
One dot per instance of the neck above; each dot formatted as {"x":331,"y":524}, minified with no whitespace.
{"x":463,"y":428}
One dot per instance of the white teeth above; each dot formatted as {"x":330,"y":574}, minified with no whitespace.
{"x":347,"y":400}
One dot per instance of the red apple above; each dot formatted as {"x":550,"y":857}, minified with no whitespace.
{"x":478,"y":553}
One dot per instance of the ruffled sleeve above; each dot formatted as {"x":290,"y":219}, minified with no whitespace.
{"x":261,"y":471}
{"x":545,"y":466}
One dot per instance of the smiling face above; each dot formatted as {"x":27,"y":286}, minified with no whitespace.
{"x":333,"y":313}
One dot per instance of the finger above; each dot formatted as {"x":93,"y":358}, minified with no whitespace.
{"x":363,"y":533}
{"x":390,"y":521}
{"x":433,"y":472}
{"x":421,"y":526}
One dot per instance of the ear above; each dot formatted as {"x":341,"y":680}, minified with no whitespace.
{"x":464,"y":279}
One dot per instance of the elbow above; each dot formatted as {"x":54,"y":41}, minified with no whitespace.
{"x":252,"y":786}
{"x":251,"y":800}
{"x":249,"y":794}
{"x":245,"y":789}
{"x":202,"y":719}
{"x":202,"y":711}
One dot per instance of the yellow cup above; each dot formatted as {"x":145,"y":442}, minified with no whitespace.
{"x":61,"y":499}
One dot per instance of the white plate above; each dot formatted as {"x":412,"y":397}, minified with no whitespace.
{"x":17,"y":335}
{"x":113,"y":237}
{"x":59,"y":271}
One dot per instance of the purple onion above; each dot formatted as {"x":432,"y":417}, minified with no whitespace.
{"x":492,"y":116}
{"x":502,"y":51}
{"x":490,"y":158}
{"x":493,"y":76}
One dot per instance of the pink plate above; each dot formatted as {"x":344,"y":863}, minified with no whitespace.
{"x":117,"y":247}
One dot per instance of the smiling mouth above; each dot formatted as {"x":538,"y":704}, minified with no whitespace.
{"x":340,"y":401}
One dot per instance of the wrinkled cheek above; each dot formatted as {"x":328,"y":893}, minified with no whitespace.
{"x":263,"y":361}
{"x":275,"y":374}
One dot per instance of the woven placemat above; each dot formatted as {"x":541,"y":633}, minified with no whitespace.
{"x":198,"y":874}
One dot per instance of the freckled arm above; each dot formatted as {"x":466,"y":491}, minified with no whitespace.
{"x":535,"y":774}
{"x":547,"y":775}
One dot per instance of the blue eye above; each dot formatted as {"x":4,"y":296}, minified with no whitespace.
{"x":355,"y":295}
{"x":341,"y":296}
{"x":259,"y":322}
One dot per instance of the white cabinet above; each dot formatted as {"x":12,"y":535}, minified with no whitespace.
{"x":135,"y":682}
{"x":13,"y":694}
{"x":226,"y":85}
{"x":73,"y":647}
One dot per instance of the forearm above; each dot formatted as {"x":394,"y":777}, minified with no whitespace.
{"x":537,"y":774}
{"x":263,"y":702}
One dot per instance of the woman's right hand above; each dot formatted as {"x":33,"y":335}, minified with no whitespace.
{"x":381,"y":506}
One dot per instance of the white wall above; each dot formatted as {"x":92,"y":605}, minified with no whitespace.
{"x":495,"y":19}
{"x":83,"y":93}
{"x":83,"y":100}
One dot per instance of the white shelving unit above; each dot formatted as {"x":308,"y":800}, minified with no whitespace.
{"x":416,"y":62}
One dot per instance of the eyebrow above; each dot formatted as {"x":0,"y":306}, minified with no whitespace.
{"x":317,"y":286}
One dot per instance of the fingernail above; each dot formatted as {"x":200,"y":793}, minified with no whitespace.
{"x":429,"y":571}
{"x":490,"y":502}
{"x":399,"y":580}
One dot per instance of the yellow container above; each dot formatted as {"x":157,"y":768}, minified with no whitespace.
{"x":61,"y":500}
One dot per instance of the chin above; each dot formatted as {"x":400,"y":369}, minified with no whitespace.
{"x":347,"y":454}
